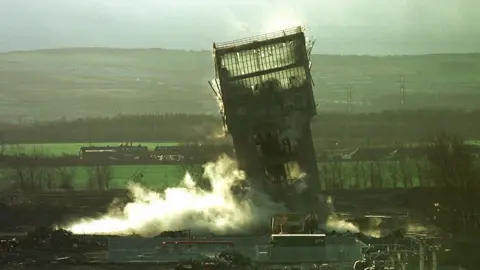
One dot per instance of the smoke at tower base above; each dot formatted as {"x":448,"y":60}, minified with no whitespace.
{"x":186,"y":206}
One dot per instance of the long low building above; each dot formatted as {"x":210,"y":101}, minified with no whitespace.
{"x":279,"y":249}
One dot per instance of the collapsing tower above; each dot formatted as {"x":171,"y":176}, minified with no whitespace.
{"x":264,"y":88}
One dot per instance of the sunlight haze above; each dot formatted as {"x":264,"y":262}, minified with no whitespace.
{"x":340,"y":26}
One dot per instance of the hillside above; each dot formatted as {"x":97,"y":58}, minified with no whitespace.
{"x":48,"y":84}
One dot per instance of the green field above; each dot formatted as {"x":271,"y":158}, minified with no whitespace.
{"x":91,"y":82}
{"x":473,"y":142}
{"x":154,"y":176}
{"x":373,"y":174}
{"x":334,"y":175}
{"x":58,"y":149}
{"x":365,"y":174}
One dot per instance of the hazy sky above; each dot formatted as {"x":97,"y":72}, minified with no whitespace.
{"x":340,"y":26}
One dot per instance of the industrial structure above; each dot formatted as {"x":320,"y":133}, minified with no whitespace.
{"x":123,"y":152}
{"x":265,"y":92}
{"x":285,"y":251}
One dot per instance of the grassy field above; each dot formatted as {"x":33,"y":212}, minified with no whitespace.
{"x":378,"y":174}
{"x":154,"y":176}
{"x":334,"y":175}
{"x":76,"y":83}
{"x":473,"y":142}
{"x":58,"y":149}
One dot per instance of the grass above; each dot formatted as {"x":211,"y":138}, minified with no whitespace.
{"x":332,"y":174}
{"x":98,"y":82}
{"x":58,"y":149}
{"x":154,"y":176}
{"x":473,"y":142}
{"x":377,"y":174}
{"x":341,"y":175}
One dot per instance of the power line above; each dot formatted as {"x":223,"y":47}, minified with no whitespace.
{"x":349,"y":99}
{"x":400,"y":123}
{"x":402,"y":90}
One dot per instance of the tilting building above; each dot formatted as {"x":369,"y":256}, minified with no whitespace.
{"x":264,"y":88}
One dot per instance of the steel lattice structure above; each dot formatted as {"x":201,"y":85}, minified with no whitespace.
{"x":265,"y":92}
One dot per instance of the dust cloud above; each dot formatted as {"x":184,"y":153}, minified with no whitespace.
{"x":187,"y":206}
{"x":230,"y":206}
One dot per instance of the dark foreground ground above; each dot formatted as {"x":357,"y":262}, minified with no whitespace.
{"x":21,"y":212}
{"x":405,"y":209}
{"x":90,"y":267}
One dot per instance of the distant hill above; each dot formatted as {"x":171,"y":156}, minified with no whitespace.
{"x":81,"y":82}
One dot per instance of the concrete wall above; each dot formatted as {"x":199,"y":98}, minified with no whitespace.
{"x":127,"y":249}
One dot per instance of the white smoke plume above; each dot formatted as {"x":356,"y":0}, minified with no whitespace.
{"x":335,"y":223}
{"x":339,"y":225}
{"x":188,"y":207}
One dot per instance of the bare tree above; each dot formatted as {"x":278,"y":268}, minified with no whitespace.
{"x":66,"y":177}
{"x":452,"y":169}
{"x":372,"y":175}
{"x":324,"y":175}
{"x":378,"y":176}
{"x":422,"y":181}
{"x":99,"y":177}
{"x":336,"y":173}
{"x":26,"y":171}
{"x":19,"y":174}
{"x":356,"y":174}
{"x":333,"y":177}
{"x":364,"y":175}
{"x":335,"y":167}
{"x":349,"y":178}
{"x":107,"y":172}
{"x":91,"y":178}
{"x":46,"y":178}
{"x":405,"y":173}
{"x":393,"y":172}
{"x":339,"y":165}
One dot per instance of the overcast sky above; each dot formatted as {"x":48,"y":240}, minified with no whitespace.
{"x":340,"y":26}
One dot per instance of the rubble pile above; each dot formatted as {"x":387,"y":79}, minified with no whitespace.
{"x":174,"y":234}
{"x":45,"y":245}
{"x":228,"y":259}
{"x":395,"y":235}
{"x":48,"y":239}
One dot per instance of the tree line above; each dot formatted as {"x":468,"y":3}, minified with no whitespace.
{"x":450,"y":172}
{"x":348,"y":129}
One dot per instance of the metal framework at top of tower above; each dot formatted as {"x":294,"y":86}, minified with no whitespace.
{"x":265,"y":93}
{"x":276,"y":61}
{"x":259,"y":38}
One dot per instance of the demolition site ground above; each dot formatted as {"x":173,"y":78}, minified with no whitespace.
{"x":42,"y":248}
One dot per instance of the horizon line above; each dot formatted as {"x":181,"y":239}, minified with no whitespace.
{"x":205,"y":50}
